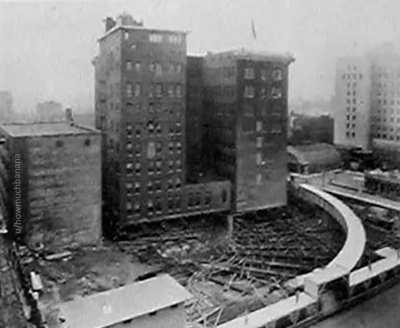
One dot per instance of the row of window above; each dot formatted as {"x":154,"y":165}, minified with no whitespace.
{"x":173,"y":166}
{"x":353,"y":76}
{"x":388,"y":137}
{"x":250,"y":74}
{"x":153,"y":186}
{"x":250,"y":92}
{"x":154,"y":67}
{"x":160,"y":37}
{"x":153,"y":128}
{"x":155,"y":90}
{"x":388,"y":102}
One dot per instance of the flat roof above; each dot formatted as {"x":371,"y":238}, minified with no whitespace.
{"x":45,"y":129}
{"x":255,"y":54}
{"x":124,"y":303}
{"x":137,"y":28}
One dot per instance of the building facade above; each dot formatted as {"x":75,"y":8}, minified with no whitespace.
{"x":367,"y":97}
{"x":6,"y":106}
{"x":140,"y":108}
{"x":352,"y":102}
{"x":194,"y":115}
{"x":54,"y":185}
{"x":245,"y":125}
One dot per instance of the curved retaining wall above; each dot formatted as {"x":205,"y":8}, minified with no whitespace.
{"x":325,"y":290}
{"x":354,"y":244}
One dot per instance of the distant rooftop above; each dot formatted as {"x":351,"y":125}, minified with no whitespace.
{"x":256,"y":54}
{"x":127,"y":22}
{"x":44,"y":129}
{"x":124,"y":303}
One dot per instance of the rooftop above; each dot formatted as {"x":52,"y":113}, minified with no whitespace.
{"x":124,"y":303}
{"x":45,"y":129}
{"x":256,"y":54}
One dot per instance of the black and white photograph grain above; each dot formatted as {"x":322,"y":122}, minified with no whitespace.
{"x":199,"y":164}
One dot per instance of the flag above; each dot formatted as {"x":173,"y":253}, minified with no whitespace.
{"x":253,"y":29}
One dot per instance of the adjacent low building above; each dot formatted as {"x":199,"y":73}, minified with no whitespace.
{"x":152,"y":303}
{"x":307,"y":159}
{"x":54,"y":185}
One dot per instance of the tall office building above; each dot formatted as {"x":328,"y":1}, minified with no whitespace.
{"x":246,"y":124}
{"x":140,"y":107}
{"x":352,"y":102}
{"x":367,"y":93}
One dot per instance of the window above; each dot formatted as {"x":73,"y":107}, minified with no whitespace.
{"x":277,"y":74}
{"x":155,"y":37}
{"x":151,"y":150}
{"x":258,"y":159}
{"x":59,"y":143}
{"x":171,"y":91}
{"x":258,"y":126}
{"x":263,"y":74}
{"x":137,"y":187}
{"x":249,"y":91}
{"x":249,"y":73}
{"x":259,"y":142}
{"x":87,"y":142}
{"x":128,"y":65}
{"x":138,"y":89}
{"x":138,"y":66}
{"x":178,"y":90}
{"x":126,"y":35}
{"x":276,"y":93}
{"x":159,"y":90}
{"x":258,"y":178}
{"x":129,"y":90}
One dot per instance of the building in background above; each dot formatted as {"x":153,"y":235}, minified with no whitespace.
{"x":352,"y":102}
{"x":194,"y":116}
{"x":313,"y":158}
{"x":49,"y":111}
{"x":367,"y":100}
{"x":245,"y":124}
{"x":6,"y":106}
{"x":140,"y":96}
{"x":307,"y":129}
{"x":54,"y":185}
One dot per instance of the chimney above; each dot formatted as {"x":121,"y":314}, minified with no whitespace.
{"x":68,"y":116}
{"x":110,"y":23}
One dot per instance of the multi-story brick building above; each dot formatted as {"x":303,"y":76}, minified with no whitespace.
{"x":367,"y":98}
{"x":54,"y":183}
{"x":140,"y":108}
{"x":245,"y":124}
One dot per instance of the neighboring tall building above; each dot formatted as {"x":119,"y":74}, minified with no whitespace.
{"x":307,"y":129}
{"x":352,"y":102}
{"x":140,"y":107}
{"x":194,"y":115}
{"x":54,"y":183}
{"x":49,"y":111}
{"x":6,"y":106}
{"x":246,"y":124}
{"x":367,"y":102}
{"x":385,"y":95}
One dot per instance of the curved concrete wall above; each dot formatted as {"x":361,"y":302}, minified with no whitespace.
{"x":354,"y":245}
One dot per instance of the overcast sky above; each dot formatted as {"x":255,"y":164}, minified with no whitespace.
{"x":46,"y":47}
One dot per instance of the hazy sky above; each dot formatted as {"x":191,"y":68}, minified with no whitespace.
{"x":47,"y":47}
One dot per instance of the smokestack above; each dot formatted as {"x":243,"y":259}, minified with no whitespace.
{"x":68,"y":115}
